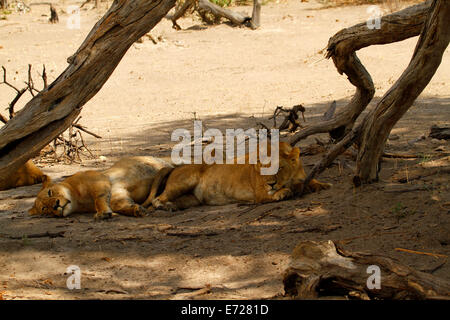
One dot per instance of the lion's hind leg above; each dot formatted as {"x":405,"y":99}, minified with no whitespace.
{"x":182,"y":181}
{"x":128,"y":207}
{"x":122,"y":203}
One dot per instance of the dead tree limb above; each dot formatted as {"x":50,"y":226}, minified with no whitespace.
{"x":16,"y":98}
{"x":52,"y":110}
{"x":427,"y":57}
{"x":320,"y":269}
{"x":342,"y":46}
{"x":291,"y":119}
{"x":372,"y":133}
{"x":203,"y":6}
{"x":217,"y":11}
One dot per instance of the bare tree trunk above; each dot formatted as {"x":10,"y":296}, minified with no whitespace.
{"x":52,"y":110}
{"x":342,"y":47}
{"x":321,"y":269}
{"x":374,"y":130}
{"x":256,"y":14}
{"x":426,"y":59}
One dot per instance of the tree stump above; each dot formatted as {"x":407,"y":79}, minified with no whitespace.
{"x":320,"y":270}
{"x":53,"y":15}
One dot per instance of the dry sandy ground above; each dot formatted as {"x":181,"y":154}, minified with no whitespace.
{"x":231,"y":78}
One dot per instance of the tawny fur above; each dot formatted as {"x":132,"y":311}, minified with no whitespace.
{"x":26,"y":175}
{"x":121,"y":189}
{"x":218,"y":184}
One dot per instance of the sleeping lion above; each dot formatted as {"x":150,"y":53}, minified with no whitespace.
{"x":119,"y":189}
{"x":218,"y":184}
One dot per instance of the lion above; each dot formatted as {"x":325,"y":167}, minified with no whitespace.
{"x":119,"y":189}
{"x":218,"y":184}
{"x":26,"y":175}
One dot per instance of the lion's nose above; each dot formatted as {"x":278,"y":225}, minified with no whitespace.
{"x":56,"y":206}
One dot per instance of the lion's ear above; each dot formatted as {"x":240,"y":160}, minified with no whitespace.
{"x":33,"y":211}
{"x":285,"y":149}
{"x":46,"y":181}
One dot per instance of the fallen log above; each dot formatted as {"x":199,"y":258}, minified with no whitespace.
{"x":320,"y":269}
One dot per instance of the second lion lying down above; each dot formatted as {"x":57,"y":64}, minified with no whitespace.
{"x":217,"y":184}
{"x":119,"y":189}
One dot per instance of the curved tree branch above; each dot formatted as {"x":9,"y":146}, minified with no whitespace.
{"x":341,"y":48}
{"x":52,"y":110}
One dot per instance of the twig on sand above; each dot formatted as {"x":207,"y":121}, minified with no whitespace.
{"x":436,"y":255}
{"x":38,"y":235}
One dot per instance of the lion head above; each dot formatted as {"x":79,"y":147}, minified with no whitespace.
{"x":290,"y":169}
{"x":52,"y":200}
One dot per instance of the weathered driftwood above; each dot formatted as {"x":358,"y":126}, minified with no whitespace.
{"x":203,"y":6}
{"x":320,"y":270}
{"x":235,"y":17}
{"x":440,"y":132}
{"x":341,"y":48}
{"x":426,"y":59}
{"x":52,"y":110}
{"x":372,"y":133}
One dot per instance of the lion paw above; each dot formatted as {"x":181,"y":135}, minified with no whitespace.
{"x":103,"y":215}
{"x":168,"y":206}
{"x":320,"y":186}
{"x":282,"y":194}
{"x":140,"y":211}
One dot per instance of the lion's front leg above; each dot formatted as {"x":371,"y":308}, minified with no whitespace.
{"x":102,"y":208}
{"x":282,"y":194}
{"x":315,"y":185}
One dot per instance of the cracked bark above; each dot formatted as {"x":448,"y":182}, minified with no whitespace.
{"x":52,"y":110}
{"x":372,"y":133}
